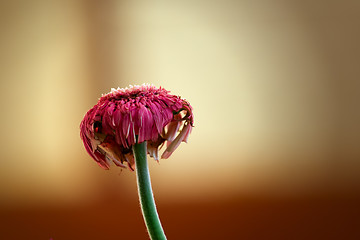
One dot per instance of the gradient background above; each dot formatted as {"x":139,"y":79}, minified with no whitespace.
{"x":275,"y":89}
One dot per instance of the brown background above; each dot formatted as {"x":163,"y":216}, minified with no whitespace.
{"x":275,"y":89}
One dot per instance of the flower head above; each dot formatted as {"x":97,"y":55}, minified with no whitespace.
{"x":132,"y":115}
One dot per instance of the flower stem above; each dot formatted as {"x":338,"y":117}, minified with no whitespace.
{"x":146,"y":196}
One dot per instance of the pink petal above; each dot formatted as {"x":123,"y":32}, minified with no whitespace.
{"x":117,"y":117}
{"x":157,"y":116}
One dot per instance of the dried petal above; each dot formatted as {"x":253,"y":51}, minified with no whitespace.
{"x":171,"y":148}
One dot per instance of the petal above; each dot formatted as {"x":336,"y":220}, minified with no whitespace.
{"x":112,"y":153}
{"x":110,"y":108}
{"x":157,"y":116}
{"x":153,"y":152}
{"x":107,"y":124}
{"x":173,"y":128}
{"x":129,"y":157}
{"x":101,"y":161}
{"x":187,"y":134}
{"x":94,"y":143}
{"x":132,"y":137}
{"x":117,"y":116}
{"x":148,"y":124}
{"x":125,"y":125}
{"x":172,"y":147}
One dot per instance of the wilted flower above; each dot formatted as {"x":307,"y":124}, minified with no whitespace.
{"x":132,"y":115}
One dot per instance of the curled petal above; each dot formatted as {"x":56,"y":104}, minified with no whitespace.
{"x":173,"y":128}
{"x":171,"y":148}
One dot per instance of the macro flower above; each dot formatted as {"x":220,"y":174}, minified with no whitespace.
{"x":126,"y":116}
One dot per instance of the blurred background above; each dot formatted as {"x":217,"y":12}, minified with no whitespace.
{"x":275,"y":90}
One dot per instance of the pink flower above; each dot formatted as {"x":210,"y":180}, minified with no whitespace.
{"x":146,"y":113}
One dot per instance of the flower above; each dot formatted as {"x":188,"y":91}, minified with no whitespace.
{"x":126,"y":116}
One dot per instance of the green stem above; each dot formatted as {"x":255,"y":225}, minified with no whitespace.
{"x":146,"y":196}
